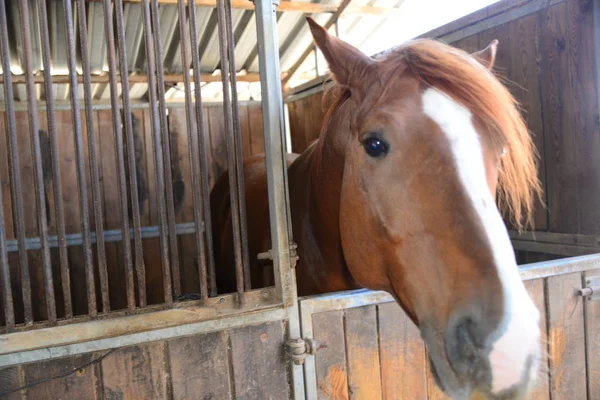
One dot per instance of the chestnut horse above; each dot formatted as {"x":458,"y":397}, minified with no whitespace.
{"x":399,"y":194}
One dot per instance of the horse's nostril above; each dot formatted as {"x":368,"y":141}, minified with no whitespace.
{"x":461,"y":346}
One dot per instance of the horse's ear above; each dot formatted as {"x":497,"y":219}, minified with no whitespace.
{"x":343,"y":58}
{"x":487,"y":56}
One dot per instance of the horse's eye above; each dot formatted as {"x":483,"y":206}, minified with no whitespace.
{"x":375,"y":147}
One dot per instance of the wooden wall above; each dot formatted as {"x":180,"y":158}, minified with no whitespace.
{"x":243,"y":363}
{"x":252,"y":141}
{"x":547,"y":57}
{"x":376,"y":352}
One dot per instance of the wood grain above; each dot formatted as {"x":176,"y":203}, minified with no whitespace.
{"x":137,"y":372}
{"x":402,"y":354}
{"x":257,"y":137}
{"x":364,"y":375}
{"x":330,"y":361}
{"x":258,"y":362}
{"x":11,"y":379}
{"x":566,"y":338}
{"x":592,"y":315}
{"x":200,"y":367}
{"x":535,"y":288}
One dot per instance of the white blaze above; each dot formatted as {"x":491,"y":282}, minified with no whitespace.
{"x":520,"y":329}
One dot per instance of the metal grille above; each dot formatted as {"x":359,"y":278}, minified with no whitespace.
{"x":53,"y":247}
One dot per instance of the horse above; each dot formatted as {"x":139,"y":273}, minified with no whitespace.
{"x":421,"y":159}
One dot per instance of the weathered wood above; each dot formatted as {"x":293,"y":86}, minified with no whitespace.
{"x":402,"y":355}
{"x":200,"y":367}
{"x":245,"y":132}
{"x":330,"y":361}
{"x":566,"y":338}
{"x":218,"y":143}
{"x":535,"y":288}
{"x":592,"y":326}
{"x":364,"y":375}
{"x":259,"y":367}
{"x":80,"y":385}
{"x":470,"y":44}
{"x":11,"y":378}
{"x":257,"y":137}
{"x":137,"y":372}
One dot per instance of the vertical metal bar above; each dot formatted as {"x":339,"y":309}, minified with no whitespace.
{"x":56,"y":179}
{"x":207,"y":265}
{"x":15,"y":175}
{"x":192,"y":137}
{"x":135,"y":205}
{"x":238,"y":148}
{"x":120,"y":157}
{"x":80,"y":160}
{"x":166,"y":150}
{"x":279,"y":212}
{"x":93,"y":154}
{"x":37,"y":156}
{"x":7,"y":300}
{"x":158,"y":156}
{"x":231,"y":158}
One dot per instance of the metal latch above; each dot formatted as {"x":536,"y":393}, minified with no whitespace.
{"x":268,"y":255}
{"x":592,"y":288}
{"x":298,"y":349}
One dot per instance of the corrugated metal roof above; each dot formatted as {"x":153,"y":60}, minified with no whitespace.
{"x":293,"y":33}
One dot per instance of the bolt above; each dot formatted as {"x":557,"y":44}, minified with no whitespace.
{"x":222,"y":300}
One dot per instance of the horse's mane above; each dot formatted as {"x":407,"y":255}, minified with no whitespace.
{"x":460,"y":76}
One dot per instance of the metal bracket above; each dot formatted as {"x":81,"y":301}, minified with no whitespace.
{"x":592,"y":288}
{"x":298,"y":349}
{"x":268,"y":255}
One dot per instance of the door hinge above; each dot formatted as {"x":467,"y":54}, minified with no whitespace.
{"x":298,"y":349}
{"x":268,"y":255}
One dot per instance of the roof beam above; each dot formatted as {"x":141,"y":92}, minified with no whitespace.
{"x":134,"y":78}
{"x":294,"y":6}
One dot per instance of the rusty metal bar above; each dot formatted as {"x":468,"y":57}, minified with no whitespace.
{"x":192,"y":138}
{"x":158,"y":156}
{"x":93,"y":154}
{"x":56,"y":178}
{"x":120,"y":156}
{"x":15,"y":176}
{"x":34,"y":128}
{"x":135,"y":204}
{"x":136,"y":78}
{"x":238,"y":148}
{"x":231,"y":152}
{"x":166,"y":151}
{"x":7,"y":299}
{"x":207,"y":266}
{"x":80,"y":161}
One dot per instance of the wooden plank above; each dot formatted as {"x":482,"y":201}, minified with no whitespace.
{"x":402,"y":354}
{"x":585,"y":130}
{"x":592,"y":326}
{"x":11,"y":378}
{"x":535,"y":288}
{"x":297,"y":126}
{"x":364,"y":375}
{"x":200,"y":367}
{"x":218,"y":143}
{"x":330,"y":361}
{"x":80,"y":385}
{"x":470,"y":44}
{"x":110,"y":190}
{"x":257,"y":137}
{"x":137,"y":372}
{"x":560,"y":151}
{"x":566,"y":338}
{"x":433,"y":390}
{"x":245,"y":131}
{"x":259,"y":366}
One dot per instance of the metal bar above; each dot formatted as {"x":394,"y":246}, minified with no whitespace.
{"x":136,"y":104}
{"x":120,"y":157}
{"x":56,"y":178}
{"x":37,"y":156}
{"x":80,"y":161}
{"x":231,"y":158}
{"x":135,"y":78}
{"x":15,"y":177}
{"x":275,"y":157}
{"x":159,"y":170}
{"x":109,"y":236}
{"x":207,"y":266}
{"x":93,"y":154}
{"x":238,"y":148}
{"x":130,"y":143}
{"x":334,"y":17}
{"x":192,"y":141}
{"x":166,"y":150}
{"x":7,"y":299}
